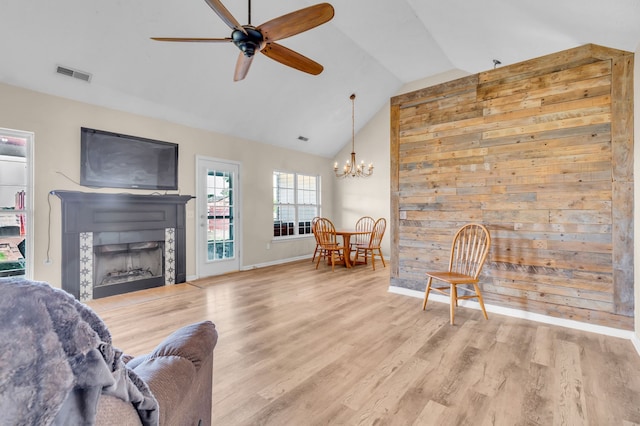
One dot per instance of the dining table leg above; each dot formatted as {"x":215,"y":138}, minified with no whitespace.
{"x":346,"y":238}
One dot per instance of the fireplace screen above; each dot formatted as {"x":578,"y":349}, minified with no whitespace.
{"x":120,"y":263}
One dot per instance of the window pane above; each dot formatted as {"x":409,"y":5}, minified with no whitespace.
{"x":307,"y":189}
{"x":12,"y":249}
{"x":306,"y":215}
{"x":285,"y":213}
{"x":220,"y":215}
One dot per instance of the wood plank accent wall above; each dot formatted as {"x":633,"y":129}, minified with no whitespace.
{"x":541,"y":152}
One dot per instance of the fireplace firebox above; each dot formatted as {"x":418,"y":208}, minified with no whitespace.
{"x":117,"y":243}
{"x":126,"y":262}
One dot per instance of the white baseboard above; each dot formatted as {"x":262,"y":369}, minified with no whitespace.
{"x":636,"y":342}
{"x":517,"y":313}
{"x":275,"y":262}
{"x":262,"y":265}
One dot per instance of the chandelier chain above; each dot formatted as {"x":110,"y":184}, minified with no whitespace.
{"x":351,"y":167}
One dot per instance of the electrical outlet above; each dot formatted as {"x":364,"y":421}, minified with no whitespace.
{"x":48,"y":261}
{"x":268,"y":246}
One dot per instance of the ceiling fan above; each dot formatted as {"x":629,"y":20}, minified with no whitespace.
{"x":262,"y":38}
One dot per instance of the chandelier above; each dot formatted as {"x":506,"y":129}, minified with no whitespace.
{"x":351,"y":168}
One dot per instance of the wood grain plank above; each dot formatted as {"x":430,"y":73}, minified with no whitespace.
{"x":622,"y":131}
{"x":550,"y":63}
{"x":598,"y":84}
{"x":571,"y":403}
{"x":545,"y":81}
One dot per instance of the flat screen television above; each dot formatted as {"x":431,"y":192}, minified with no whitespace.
{"x":113,"y":160}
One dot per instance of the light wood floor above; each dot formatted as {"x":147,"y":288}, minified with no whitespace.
{"x":300,"y":346}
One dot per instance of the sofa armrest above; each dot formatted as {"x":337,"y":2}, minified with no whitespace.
{"x":179,"y":373}
{"x":113,"y":411}
{"x":194,"y":342}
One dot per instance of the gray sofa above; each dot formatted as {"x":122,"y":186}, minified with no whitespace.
{"x":179,"y":374}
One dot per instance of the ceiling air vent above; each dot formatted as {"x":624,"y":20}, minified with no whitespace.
{"x":70,"y":72}
{"x":303,"y":138}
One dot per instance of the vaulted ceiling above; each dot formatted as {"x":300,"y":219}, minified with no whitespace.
{"x":370,"y":47}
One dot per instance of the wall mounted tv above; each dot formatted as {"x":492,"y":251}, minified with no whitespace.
{"x":113,"y":160}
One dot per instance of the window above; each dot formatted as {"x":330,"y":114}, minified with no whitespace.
{"x":296,"y":201}
{"x":15,"y":203}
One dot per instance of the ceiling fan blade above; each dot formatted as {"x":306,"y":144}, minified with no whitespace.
{"x":296,"y":22}
{"x":242,"y":67}
{"x":197,"y":40}
{"x":225,"y":15}
{"x":291,"y":59}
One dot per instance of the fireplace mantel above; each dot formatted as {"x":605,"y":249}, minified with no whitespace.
{"x":84,"y":212}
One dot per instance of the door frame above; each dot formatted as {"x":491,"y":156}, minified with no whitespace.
{"x":30,"y":197}
{"x":201,"y":204}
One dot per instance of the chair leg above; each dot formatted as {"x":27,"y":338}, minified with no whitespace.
{"x":373,"y":259}
{"x":453,"y":303}
{"x":333,"y":261}
{"x":475,"y":286}
{"x":426,"y":294}
{"x":364,"y":253}
{"x":314,"y":254}
{"x":382,"y":258}
{"x":320,"y":256}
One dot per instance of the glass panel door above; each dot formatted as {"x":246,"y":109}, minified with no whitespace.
{"x":218,"y":217}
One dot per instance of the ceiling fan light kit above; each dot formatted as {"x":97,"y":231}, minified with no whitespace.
{"x":262,"y":38}
{"x":351,"y":167}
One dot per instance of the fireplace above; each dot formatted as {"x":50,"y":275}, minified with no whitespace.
{"x":125,"y":262}
{"x":118,"y":243}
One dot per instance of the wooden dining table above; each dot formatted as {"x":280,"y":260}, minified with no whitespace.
{"x":346,"y":237}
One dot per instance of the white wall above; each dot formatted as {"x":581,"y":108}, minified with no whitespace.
{"x":56,"y":123}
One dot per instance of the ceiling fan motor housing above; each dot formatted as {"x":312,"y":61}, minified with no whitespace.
{"x":248,"y":43}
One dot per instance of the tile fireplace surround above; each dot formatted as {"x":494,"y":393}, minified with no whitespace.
{"x":91,"y":220}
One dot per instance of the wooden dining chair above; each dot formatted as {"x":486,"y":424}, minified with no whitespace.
{"x":313,"y":230}
{"x":372,"y":247}
{"x":365,"y":224}
{"x":469,"y":251}
{"x":329,"y":246}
